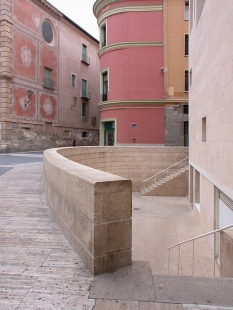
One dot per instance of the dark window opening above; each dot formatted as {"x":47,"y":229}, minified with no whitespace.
{"x":105,"y":86}
{"x":186,"y":52}
{"x":186,"y":109}
{"x":186,"y":80}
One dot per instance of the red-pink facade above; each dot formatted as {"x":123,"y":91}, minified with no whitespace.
{"x":131,"y":57}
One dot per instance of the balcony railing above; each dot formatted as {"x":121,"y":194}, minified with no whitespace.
{"x":86,"y":59}
{"x":48,"y":83}
{"x":105,"y":97}
{"x":84,"y":94}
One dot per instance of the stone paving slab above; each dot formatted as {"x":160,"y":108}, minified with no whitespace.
{"x":194,"y":290}
{"x":133,"y":283}
{"x":38,"y":267}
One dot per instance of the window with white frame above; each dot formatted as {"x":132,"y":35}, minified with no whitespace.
{"x":204,"y":129}
{"x":73,"y":80}
{"x":103,"y":35}
{"x":186,"y":83}
{"x":84,"y":110}
{"x":186,"y":44}
{"x":105,"y":86}
{"x":48,"y":77}
{"x":186,"y":10}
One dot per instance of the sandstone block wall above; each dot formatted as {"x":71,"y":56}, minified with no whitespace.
{"x":93,"y":209}
{"x":136,"y":163}
{"x":226,"y":254}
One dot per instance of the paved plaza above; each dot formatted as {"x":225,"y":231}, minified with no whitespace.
{"x":40,"y":270}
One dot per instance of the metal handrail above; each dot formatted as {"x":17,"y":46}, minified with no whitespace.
{"x":193,"y":239}
{"x":155,"y":175}
{"x":165,"y":169}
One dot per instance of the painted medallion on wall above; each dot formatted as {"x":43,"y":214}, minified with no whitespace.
{"x":48,"y":106}
{"x":26,"y":56}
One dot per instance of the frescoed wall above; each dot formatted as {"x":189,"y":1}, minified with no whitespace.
{"x":41,"y":82}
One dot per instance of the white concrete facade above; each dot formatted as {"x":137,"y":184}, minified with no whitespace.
{"x":211,"y":113}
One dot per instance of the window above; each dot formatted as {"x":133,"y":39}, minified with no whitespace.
{"x":186,"y":86}
{"x":186,"y":44}
{"x":186,"y":10}
{"x":84,"y":55}
{"x":197,"y":190}
{"x":84,"y":110}
{"x":186,"y":109}
{"x":103,"y":35}
{"x":47,"y":31}
{"x":48,"y":77}
{"x":84,"y":93}
{"x":204,"y":129}
{"x":84,"y":134}
{"x":73,"y":80}
{"x":105,"y":86}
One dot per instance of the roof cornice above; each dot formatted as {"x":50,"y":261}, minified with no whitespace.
{"x":49,"y":7}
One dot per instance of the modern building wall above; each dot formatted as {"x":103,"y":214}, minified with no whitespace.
{"x":40,"y":107}
{"x":211,"y":115}
{"x":175,"y":64}
{"x":132,"y":98}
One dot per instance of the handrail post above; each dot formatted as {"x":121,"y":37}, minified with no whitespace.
{"x":179,"y":262}
{"x":193,"y":259}
{"x":168,"y":267}
{"x":214,"y":253}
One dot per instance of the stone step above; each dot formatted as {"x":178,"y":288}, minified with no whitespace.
{"x":136,"y":283}
{"x":164,"y":180}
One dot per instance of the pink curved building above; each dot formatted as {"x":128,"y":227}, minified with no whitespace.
{"x":131,"y":71}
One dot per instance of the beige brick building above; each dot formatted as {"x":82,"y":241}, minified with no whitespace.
{"x":211,"y":115}
{"x":49,"y":78}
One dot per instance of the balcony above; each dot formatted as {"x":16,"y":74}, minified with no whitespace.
{"x":85,"y":59}
{"x":85,"y":95}
{"x":49,"y":83}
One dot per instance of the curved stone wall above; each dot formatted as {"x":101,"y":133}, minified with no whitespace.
{"x":136,"y":163}
{"x":93,"y":209}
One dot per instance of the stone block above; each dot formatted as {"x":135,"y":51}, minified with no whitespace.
{"x":226,"y":254}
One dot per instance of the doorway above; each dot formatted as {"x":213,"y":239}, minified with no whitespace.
{"x":109,"y":133}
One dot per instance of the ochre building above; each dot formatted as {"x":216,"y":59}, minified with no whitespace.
{"x":49,"y":78}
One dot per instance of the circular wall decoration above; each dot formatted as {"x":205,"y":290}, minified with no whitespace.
{"x":47,"y":31}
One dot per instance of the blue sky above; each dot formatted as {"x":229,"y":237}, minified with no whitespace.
{"x":80,"y":11}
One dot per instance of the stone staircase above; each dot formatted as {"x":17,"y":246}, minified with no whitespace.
{"x":138,"y":288}
{"x":164,"y":180}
